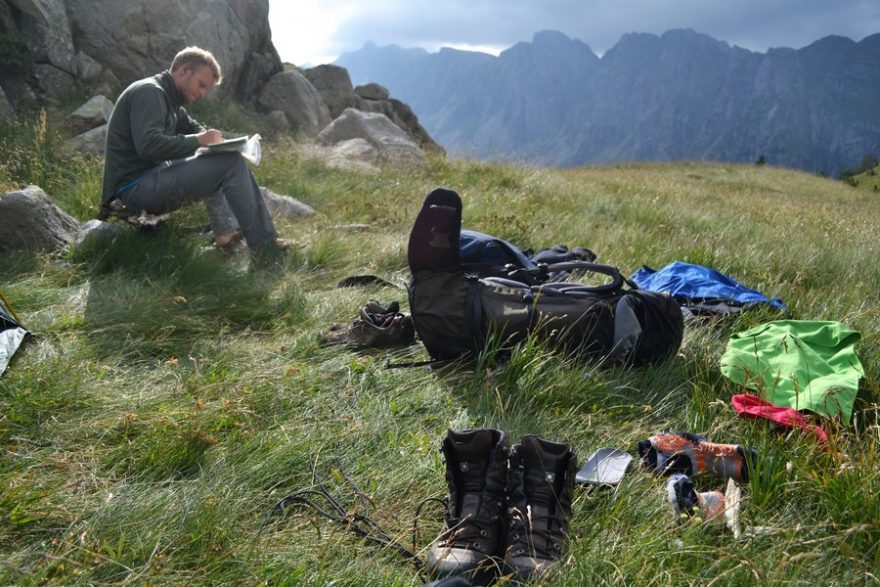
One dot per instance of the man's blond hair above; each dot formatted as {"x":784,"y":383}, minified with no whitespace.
{"x":196,"y":57}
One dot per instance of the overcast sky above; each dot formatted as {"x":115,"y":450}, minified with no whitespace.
{"x":310,"y":32}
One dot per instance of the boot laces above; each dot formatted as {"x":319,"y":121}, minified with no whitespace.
{"x":467,"y":531}
{"x":538,"y":535}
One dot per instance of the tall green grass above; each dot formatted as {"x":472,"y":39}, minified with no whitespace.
{"x":172,"y":395}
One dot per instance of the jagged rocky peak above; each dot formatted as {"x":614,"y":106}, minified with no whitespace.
{"x":632,"y":46}
{"x":682,"y":94}
{"x":550,"y":43}
{"x":692,"y":38}
{"x":871,"y":42}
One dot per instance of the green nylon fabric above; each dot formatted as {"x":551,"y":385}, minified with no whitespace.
{"x":802,"y":364}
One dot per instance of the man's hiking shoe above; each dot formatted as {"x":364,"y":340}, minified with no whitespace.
{"x":376,"y":326}
{"x":476,"y":475}
{"x":691,"y":454}
{"x":539,"y":496}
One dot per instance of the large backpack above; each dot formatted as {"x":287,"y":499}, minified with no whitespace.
{"x":457,"y":307}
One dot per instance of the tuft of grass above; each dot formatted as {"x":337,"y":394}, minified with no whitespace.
{"x":29,"y":152}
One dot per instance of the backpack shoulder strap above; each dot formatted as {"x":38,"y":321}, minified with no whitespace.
{"x":616,"y":284}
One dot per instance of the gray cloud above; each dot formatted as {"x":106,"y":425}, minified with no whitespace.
{"x":753,"y":24}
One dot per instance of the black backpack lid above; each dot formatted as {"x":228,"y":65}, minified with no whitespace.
{"x":434,"y":239}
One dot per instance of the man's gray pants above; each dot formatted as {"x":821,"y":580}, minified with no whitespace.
{"x":224,"y":179}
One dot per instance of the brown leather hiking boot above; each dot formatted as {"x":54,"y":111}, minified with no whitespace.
{"x":376,"y":326}
{"x":542,"y":476}
{"x":476,"y":473}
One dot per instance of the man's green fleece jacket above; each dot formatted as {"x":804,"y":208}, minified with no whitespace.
{"x":149,"y":125}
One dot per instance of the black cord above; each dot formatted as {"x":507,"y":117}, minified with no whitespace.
{"x":360,"y":524}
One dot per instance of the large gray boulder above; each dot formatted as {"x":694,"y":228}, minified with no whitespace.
{"x":334,"y":85}
{"x":136,"y":39}
{"x":391,"y":143}
{"x":91,"y":142}
{"x":284,"y":206}
{"x":372,"y":91}
{"x":93,"y":113}
{"x":30,"y":221}
{"x":96,"y":229}
{"x":294,"y":95}
{"x":403,"y":116}
{"x":354,"y":155}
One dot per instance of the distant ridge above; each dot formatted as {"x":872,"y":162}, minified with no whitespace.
{"x":679,"y":95}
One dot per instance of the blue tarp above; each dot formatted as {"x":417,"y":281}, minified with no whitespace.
{"x":694,"y":283}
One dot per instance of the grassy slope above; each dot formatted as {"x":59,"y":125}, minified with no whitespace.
{"x":869,"y":180}
{"x":172,"y":397}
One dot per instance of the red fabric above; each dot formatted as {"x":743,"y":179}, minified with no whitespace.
{"x":756,"y":407}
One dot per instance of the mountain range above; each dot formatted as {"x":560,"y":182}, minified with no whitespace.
{"x":680,"y":95}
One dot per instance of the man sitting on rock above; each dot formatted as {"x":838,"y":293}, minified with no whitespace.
{"x":150,"y":163}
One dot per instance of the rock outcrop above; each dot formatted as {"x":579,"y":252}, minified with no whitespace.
{"x":389,"y":140}
{"x":119,"y":42}
{"x":372,"y":91}
{"x":291,"y":93}
{"x":334,"y":85}
{"x":91,"y":142}
{"x":90,"y":120}
{"x":134,"y":39}
{"x":403,"y":116}
{"x":30,"y":221}
{"x":49,"y":39}
{"x":285,"y":206}
{"x":93,"y":113}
